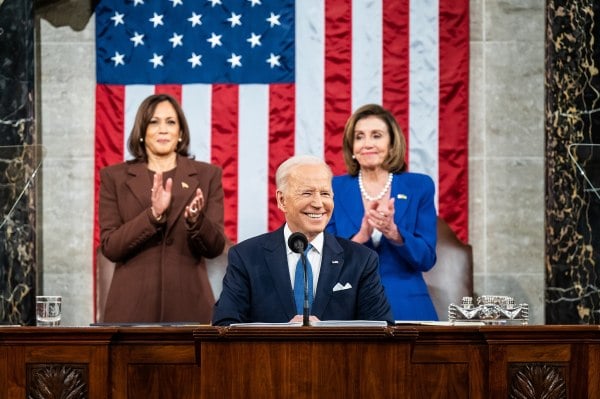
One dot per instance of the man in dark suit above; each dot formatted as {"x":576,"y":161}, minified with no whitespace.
{"x":259,"y":282}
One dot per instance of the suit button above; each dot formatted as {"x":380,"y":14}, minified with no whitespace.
{"x":169,"y":241}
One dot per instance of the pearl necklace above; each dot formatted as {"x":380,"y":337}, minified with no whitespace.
{"x":378,"y":196}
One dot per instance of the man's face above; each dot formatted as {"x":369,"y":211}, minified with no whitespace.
{"x":308,"y":199}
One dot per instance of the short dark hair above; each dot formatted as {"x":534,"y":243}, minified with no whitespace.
{"x":137,"y":147}
{"x":395,"y":160}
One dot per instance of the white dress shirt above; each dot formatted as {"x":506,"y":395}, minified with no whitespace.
{"x":313,"y":256}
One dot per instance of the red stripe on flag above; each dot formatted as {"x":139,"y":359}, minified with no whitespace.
{"x":396,"y":61}
{"x":110,"y":122}
{"x":224,"y":151}
{"x":338,"y":70}
{"x":173,"y":90}
{"x":453,"y":115}
{"x":282,"y":103}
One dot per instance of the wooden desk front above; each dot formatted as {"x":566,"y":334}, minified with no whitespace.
{"x":298,"y":362}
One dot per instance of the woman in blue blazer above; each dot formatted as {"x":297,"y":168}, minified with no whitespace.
{"x":381,"y":205}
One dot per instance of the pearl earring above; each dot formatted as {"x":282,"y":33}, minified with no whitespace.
{"x":353,"y":156}
{"x":141,"y":139}
{"x":180,"y":139}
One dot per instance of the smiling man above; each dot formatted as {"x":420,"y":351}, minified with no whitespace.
{"x":261,"y":279}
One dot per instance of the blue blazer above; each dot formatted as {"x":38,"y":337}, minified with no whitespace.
{"x":257,"y":286}
{"x":400,"y":266}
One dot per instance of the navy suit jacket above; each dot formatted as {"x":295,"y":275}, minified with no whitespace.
{"x":257,"y":286}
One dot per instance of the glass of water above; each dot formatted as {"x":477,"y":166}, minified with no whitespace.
{"x":47,"y":310}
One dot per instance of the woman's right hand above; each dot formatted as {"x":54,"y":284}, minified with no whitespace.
{"x":160,"y":196}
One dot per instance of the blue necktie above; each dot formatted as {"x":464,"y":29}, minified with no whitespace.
{"x":299,"y":283}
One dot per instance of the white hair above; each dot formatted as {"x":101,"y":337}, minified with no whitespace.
{"x":285,"y":169}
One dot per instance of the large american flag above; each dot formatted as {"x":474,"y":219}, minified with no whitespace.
{"x":261,"y":80}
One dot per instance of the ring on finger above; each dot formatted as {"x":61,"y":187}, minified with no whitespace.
{"x":193,"y":209}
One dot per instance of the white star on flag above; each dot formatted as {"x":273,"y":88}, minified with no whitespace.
{"x":137,"y":38}
{"x":157,"y":20}
{"x":235,"y":60}
{"x":156,"y":60}
{"x":118,"y":58}
{"x":214,"y":40}
{"x":195,"y":19}
{"x":195,"y":60}
{"x":274,"y":20}
{"x":273,"y":60}
{"x":235,"y":19}
{"x":118,"y":18}
{"x":176,"y":40}
{"x":254,"y":40}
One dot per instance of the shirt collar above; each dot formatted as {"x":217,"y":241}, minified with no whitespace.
{"x":317,"y":242}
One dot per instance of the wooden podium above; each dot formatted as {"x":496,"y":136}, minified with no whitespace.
{"x":304,"y":362}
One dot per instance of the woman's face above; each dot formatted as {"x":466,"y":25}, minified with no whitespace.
{"x":163,"y":130}
{"x":371,"y":142}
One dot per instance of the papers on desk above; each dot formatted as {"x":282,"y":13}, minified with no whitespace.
{"x":320,"y":323}
{"x":438,"y":323}
{"x":349,"y":323}
{"x":260,"y":324}
{"x":157,"y":324}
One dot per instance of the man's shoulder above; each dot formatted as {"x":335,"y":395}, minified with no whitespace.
{"x":261,"y":240}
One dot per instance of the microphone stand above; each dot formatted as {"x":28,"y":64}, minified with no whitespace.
{"x":306,"y":309}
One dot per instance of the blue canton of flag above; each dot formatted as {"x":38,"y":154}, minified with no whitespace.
{"x":195,"y":41}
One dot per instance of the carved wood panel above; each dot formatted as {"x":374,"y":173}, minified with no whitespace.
{"x":57,"y":381}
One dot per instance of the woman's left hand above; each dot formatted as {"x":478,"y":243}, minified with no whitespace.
{"x":381,"y":217}
{"x":195,"y":206}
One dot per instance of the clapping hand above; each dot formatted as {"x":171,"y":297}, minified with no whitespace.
{"x":160,"y":196}
{"x":193,"y":209}
{"x":380,"y":215}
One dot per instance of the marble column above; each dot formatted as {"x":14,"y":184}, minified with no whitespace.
{"x":572,"y":162}
{"x":18,"y":266}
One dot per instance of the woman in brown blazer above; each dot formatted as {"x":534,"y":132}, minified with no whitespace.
{"x":160,"y":215}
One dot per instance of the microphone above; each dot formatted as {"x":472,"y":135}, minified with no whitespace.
{"x":298,"y":244}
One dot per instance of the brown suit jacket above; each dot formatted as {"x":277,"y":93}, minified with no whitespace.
{"x":160,"y":273}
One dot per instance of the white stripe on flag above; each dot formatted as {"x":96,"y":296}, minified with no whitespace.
{"x":253,"y":161}
{"x":134,"y":95}
{"x":367,"y":53}
{"x":424,"y":87}
{"x":310,"y":70}
{"x":196,"y":103}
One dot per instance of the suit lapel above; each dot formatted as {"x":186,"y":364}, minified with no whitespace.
{"x":332,"y":261}
{"x":185,"y":182}
{"x":400,"y":192}
{"x":139,"y":183}
{"x":276,"y":261}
